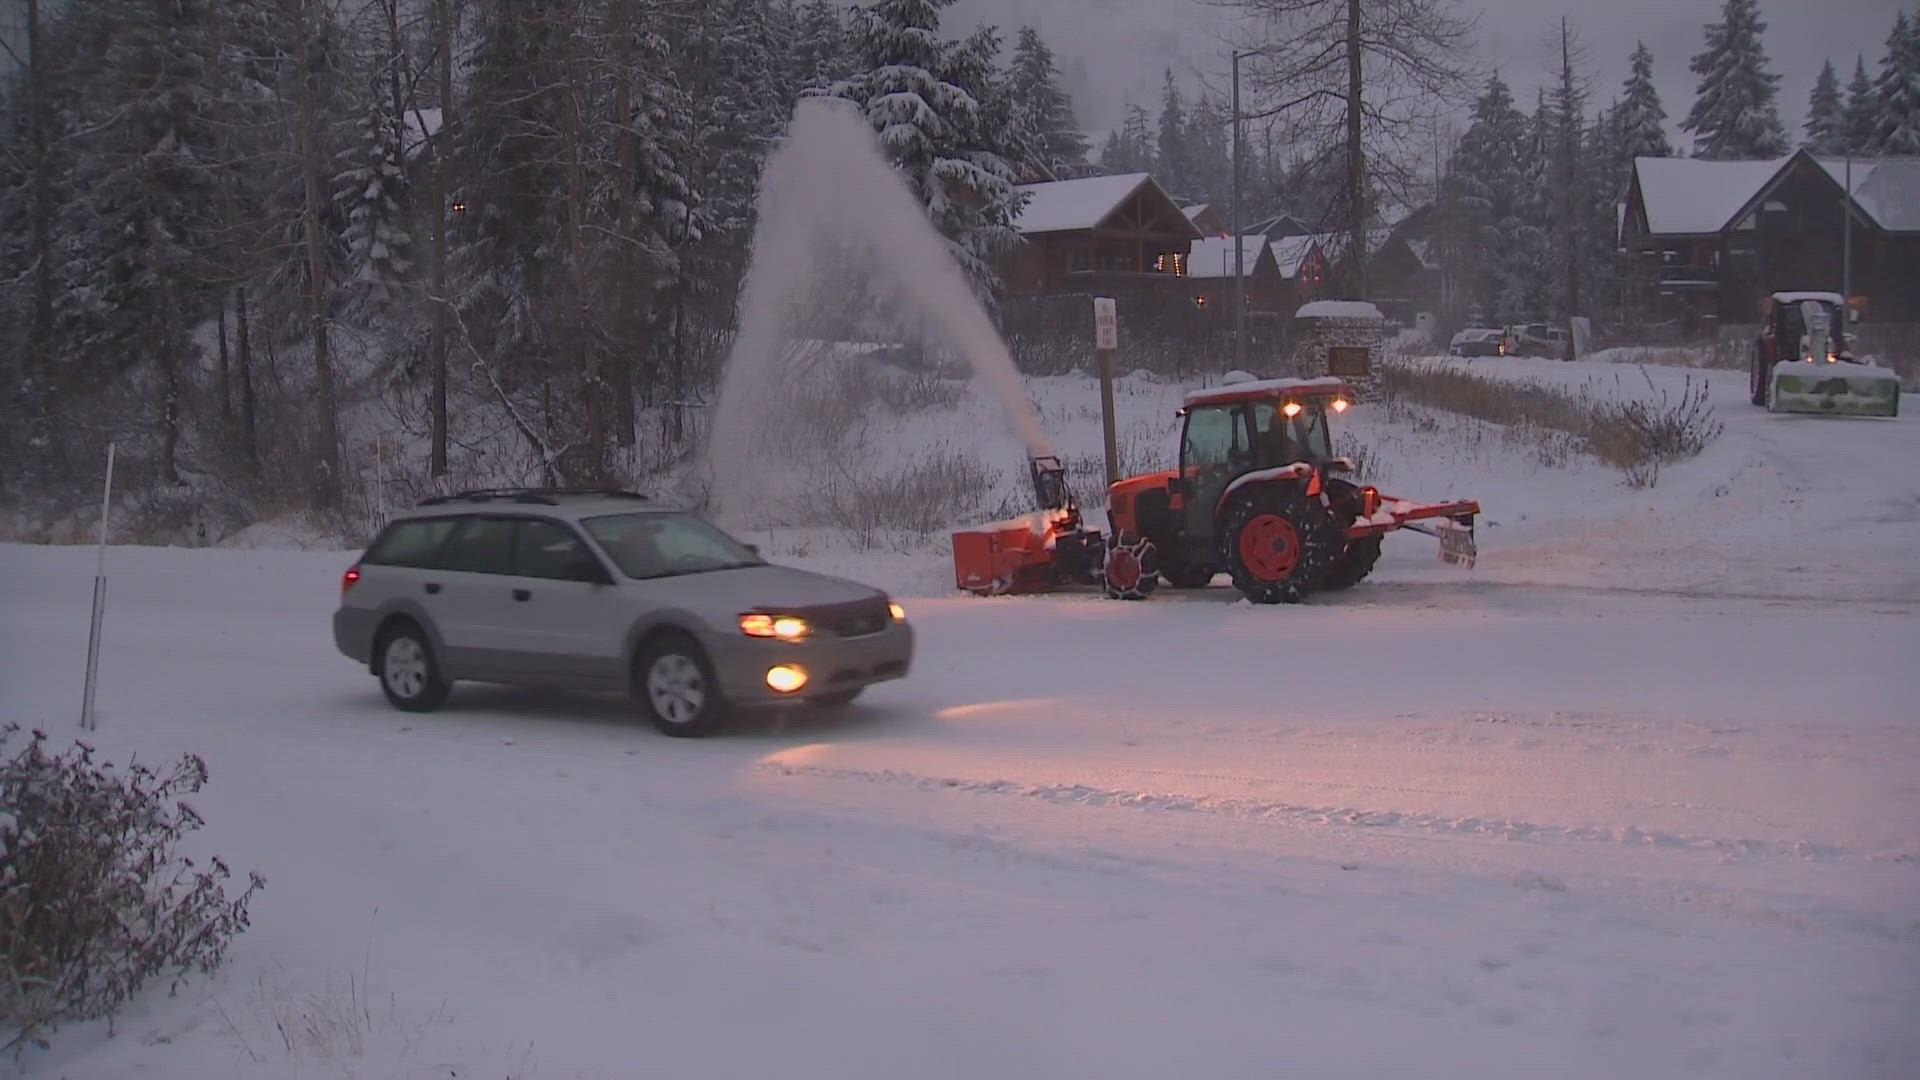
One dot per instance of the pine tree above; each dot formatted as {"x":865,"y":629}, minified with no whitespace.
{"x":1734,"y":115}
{"x":1171,"y":166}
{"x":1481,"y":195}
{"x":1863,"y":108}
{"x":823,"y":45}
{"x":914,"y":92}
{"x":1896,"y":129}
{"x":1639,"y":123}
{"x":371,"y":193}
{"x":1826,"y":126}
{"x":1137,"y":137}
{"x":1210,"y":153}
{"x":1033,"y":84}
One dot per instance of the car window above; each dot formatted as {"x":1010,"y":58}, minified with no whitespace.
{"x":410,"y":543}
{"x":481,"y":545}
{"x":652,"y":545}
{"x":545,"y":549}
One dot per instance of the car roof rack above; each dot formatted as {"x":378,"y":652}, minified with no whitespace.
{"x":537,"y":496}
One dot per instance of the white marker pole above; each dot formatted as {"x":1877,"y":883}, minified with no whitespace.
{"x":99,"y":600}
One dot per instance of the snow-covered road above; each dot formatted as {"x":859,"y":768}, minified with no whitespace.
{"x":1604,"y":807}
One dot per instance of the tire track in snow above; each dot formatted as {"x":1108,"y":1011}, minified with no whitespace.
{"x":1249,"y":809}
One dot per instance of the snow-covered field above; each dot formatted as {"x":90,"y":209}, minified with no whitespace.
{"x":1639,"y":796}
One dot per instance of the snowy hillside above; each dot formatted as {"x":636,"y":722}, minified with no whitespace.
{"x":1634,"y":798}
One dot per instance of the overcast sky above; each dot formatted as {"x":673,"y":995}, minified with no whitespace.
{"x":1115,"y":50}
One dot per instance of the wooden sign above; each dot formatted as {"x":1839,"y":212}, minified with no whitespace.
{"x":1349,"y":361}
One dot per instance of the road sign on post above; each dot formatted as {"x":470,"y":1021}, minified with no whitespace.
{"x":1106,"y":338}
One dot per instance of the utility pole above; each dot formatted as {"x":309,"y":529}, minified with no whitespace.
{"x":1846,"y":235}
{"x":1239,"y":243}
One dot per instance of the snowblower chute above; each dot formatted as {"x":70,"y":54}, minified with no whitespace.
{"x":1804,"y":363}
{"x":1258,"y":495}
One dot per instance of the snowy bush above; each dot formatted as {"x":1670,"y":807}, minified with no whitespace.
{"x":922,"y":498}
{"x":1634,"y":435}
{"x":95,"y":898}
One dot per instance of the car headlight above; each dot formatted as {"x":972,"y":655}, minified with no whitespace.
{"x":899,"y":613}
{"x":784,"y":627}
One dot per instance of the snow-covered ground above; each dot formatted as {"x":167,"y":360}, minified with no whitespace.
{"x":1639,"y":796}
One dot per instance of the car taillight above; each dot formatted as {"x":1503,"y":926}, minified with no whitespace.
{"x":348,"y":579}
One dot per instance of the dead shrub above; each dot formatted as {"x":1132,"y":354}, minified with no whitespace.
{"x":1634,"y":435}
{"x":95,"y":898}
{"x":919,"y":499}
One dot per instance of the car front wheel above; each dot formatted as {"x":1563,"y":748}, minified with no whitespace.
{"x":677,"y":687}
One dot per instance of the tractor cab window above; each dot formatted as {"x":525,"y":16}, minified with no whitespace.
{"x":1214,"y":439}
{"x":1283,"y":440}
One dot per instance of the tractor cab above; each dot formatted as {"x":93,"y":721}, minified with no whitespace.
{"x":1249,"y":428}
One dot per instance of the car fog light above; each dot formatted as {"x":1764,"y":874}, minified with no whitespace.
{"x":786,"y":678}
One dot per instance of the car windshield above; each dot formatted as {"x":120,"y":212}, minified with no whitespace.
{"x":656,"y":545}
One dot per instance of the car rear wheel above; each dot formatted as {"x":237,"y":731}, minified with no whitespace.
{"x":677,"y":687}
{"x":409,"y":675}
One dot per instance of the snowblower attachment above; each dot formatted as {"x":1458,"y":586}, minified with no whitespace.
{"x":1033,"y":552}
{"x":1833,"y":388}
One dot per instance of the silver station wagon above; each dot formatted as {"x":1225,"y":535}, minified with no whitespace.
{"x":604,"y":590}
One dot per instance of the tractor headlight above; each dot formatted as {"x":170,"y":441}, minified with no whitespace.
{"x":1290,"y":409}
{"x":784,"y":627}
{"x":1340,"y":404}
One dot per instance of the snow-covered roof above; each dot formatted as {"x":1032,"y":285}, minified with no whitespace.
{"x":1291,"y":253}
{"x":1886,"y":189}
{"x":1193,"y":212}
{"x":1212,"y":256}
{"x":1691,"y":197}
{"x":1074,"y":205}
{"x":1833,"y":298}
{"x":1339,"y":309}
{"x":1326,"y":384}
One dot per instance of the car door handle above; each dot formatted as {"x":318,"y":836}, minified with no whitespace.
{"x":522,"y":594}
{"x":433,"y":586}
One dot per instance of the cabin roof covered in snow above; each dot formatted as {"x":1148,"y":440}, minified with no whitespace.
{"x":1212,"y":256}
{"x":1691,"y":197}
{"x":1076,"y":205}
{"x":1887,"y":190}
{"x":1291,"y":253}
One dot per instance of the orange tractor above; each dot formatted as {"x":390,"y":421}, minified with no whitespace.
{"x":1258,"y":495}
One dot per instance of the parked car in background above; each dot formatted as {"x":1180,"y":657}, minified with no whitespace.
{"x":603,"y":590}
{"x":1538,"y":339}
{"x":1478,"y":341}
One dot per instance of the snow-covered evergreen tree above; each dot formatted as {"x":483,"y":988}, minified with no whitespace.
{"x":1525,"y":272}
{"x":371,"y":193}
{"x":1209,"y":138}
{"x":1481,"y":197}
{"x":822,"y":44}
{"x":1896,"y":129}
{"x":1136,"y":137}
{"x":1863,"y":108}
{"x":1734,"y":115}
{"x":1171,"y":165}
{"x":1033,"y":84}
{"x":1638,"y":121}
{"x":913,"y":91}
{"x":1826,"y":125}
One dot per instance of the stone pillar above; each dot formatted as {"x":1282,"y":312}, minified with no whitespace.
{"x":1343,"y":338}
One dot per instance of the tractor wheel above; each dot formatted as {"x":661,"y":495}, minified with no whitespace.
{"x":1279,"y":544}
{"x":1131,"y":570}
{"x":1352,"y":566}
{"x":1188,"y":577}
